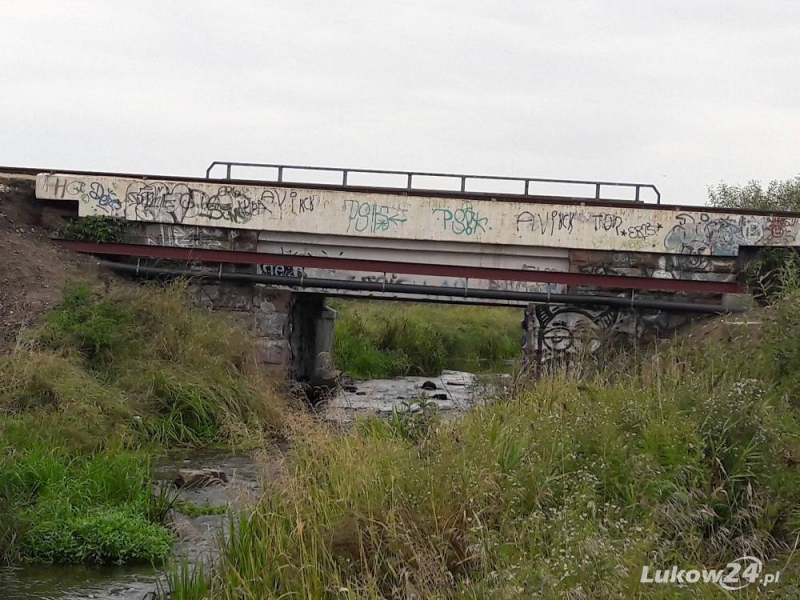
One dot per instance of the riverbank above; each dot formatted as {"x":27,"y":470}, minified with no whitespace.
{"x":687,"y":455}
{"x":113,"y":378}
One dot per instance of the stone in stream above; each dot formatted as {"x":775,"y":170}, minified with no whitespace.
{"x":428,"y":385}
{"x":200,"y":477}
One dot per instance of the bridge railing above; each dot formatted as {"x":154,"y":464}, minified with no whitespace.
{"x":342,"y":176}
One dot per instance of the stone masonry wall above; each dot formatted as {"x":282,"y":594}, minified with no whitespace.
{"x":261,"y":311}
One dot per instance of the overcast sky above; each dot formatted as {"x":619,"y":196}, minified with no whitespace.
{"x":680,"y":93}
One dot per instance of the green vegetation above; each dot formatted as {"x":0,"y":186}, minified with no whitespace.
{"x":94,"y":228}
{"x":778,"y":195}
{"x":688,"y":455}
{"x":107,"y":381}
{"x":388,"y":339}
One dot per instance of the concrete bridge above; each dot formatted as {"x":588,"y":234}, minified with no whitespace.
{"x":620,"y":266}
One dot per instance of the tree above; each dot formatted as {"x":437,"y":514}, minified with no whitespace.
{"x":779,"y":195}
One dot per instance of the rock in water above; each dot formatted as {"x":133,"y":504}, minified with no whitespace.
{"x":200,"y":477}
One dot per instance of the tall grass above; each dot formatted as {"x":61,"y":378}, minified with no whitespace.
{"x":387,"y":339}
{"x":688,"y":455}
{"x":110,"y":378}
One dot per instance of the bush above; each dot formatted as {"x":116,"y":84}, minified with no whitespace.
{"x":95,"y":228}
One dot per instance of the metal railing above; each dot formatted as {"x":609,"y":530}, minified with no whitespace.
{"x":462,"y":179}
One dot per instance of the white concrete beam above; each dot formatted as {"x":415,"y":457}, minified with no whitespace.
{"x":421,"y":218}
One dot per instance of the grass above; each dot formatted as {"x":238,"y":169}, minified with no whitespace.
{"x":111,"y":378}
{"x":388,"y":339}
{"x":688,"y":455}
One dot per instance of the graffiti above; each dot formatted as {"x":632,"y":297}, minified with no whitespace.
{"x":567,"y":332}
{"x":675,"y":266}
{"x":373,"y":217}
{"x":522,"y":286}
{"x":450,"y":283}
{"x":189,"y":237}
{"x":547,"y":223}
{"x":643,"y":231}
{"x":607,"y":222}
{"x":103,"y":198}
{"x":723,"y":235}
{"x":280,"y":270}
{"x":153,"y":201}
{"x":462,"y":221}
{"x":289,"y":200}
{"x":232,"y":204}
{"x":157,"y":200}
{"x":780,"y":229}
{"x":384,"y":278}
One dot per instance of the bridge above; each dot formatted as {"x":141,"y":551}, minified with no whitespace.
{"x":620,"y":264}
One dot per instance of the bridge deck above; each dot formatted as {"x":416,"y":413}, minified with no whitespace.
{"x":475,"y":220}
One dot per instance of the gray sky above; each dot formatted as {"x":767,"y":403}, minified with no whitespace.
{"x":680,"y":93}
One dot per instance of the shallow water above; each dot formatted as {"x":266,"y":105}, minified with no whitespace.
{"x":74,"y":583}
{"x":195,"y":537}
{"x":453,"y":392}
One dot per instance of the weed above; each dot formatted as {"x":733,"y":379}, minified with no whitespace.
{"x":413,"y":420}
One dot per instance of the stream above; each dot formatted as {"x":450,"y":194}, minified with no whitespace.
{"x":453,"y":392}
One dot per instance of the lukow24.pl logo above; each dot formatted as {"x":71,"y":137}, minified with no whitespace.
{"x":736,"y":575}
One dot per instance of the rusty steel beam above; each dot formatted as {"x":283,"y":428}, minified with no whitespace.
{"x":379,"y":266}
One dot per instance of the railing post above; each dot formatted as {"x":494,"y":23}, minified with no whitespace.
{"x":410,"y":175}
{"x":597,"y":191}
{"x":637,"y":193}
{"x":228,"y":171}
{"x":280,"y":174}
{"x":463,"y":183}
{"x":344,"y":176}
{"x":527,"y":186}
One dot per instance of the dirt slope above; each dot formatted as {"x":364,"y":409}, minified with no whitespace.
{"x":33,"y":268}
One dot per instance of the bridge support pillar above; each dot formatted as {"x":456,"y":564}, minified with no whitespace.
{"x":292,"y":330}
{"x":311,"y":339}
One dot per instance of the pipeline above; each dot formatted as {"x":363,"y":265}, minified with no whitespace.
{"x":402,"y":288}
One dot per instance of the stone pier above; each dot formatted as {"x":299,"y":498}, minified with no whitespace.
{"x":293,"y":331}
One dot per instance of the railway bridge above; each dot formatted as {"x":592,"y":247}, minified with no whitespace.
{"x":608,"y":257}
